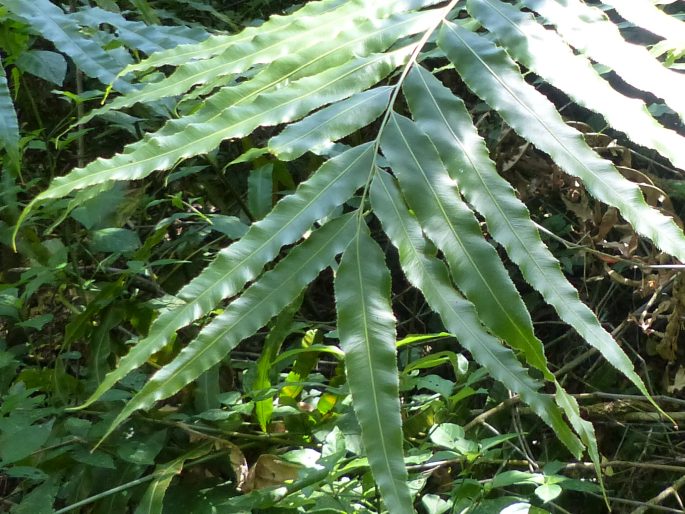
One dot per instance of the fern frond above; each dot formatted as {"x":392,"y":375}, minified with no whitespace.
{"x":648,"y":16}
{"x":219,"y":44}
{"x":304,"y":46}
{"x":366,"y":326}
{"x":445,"y":118}
{"x":589,"y":30}
{"x":490,"y":73}
{"x":221,"y":119}
{"x":545,"y":53}
{"x":431,"y":277}
{"x":268,"y":296}
{"x":241,"y":262}
{"x":474,"y":264}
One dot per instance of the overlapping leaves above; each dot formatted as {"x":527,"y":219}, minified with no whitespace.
{"x":325,"y":57}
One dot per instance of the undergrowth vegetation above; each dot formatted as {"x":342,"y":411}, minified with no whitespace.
{"x":343,"y":256}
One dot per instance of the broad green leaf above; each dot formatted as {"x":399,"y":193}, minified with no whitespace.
{"x":18,"y":442}
{"x":330,"y":124}
{"x":306,"y":40}
{"x":366,"y":327}
{"x":281,"y":328}
{"x":203,"y":131}
{"x":439,"y":113}
{"x":547,"y":492}
{"x":218,"y":44}
{"x":142,"y":451}
{"x":138,"y":35}
{"x":431,"y":276}
{"x":241,"y":262}
{"x":264,"y":299}
{"x":54,"y":25}
{"x":317,"y":50}
{"x":589,"y":30}
{"x":40,"y":500}
{"x":474,"y":264}
{"x":50,"y":66}
{"x":115,"y":240}
{"x":646,"y":15}
{"x":9,"y":126}
{"x":260,"y":190}
{"x":491,"y":74}
{"x":545,"y":53}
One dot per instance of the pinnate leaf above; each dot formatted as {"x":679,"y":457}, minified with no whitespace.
{"x":366,"y":326}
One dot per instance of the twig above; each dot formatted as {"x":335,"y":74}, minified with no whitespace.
{"x":671,"y":490}
{"x":480,"y":419}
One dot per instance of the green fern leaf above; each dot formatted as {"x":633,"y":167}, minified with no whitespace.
{"x":279,"y":330}
{"x":264,"y":299}
{"x":589,"y":30}
{"x":138,"y":35}
{"x":9,"y":126}
{"x":366,"y":326}
{"x":218,"y":44}
{"x":545,"y":53}
{"x":491,"y":74}
{"x":439,"y":113}
{"x":646,"y":15}
{"x":53,"y":24}
{"x":241,"y":262}
{"x":582,"y":427}
{"x":330,"y":124}
{"x":450,"y":224}
{"x":430,"y":275}
{"x":327,"y":43}
{"x":203,"y":131}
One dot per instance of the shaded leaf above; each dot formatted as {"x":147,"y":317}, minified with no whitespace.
{"x":49,"y":66}
{"x":241,"y":262}
{"x":474,"y":264}
{"x":431,"y":276}
{"x":138,"y":35}
{"x":366,"y":327}
{"x":265,"y":298}
{"x":152,"y":501}
{"x":54,"y":25}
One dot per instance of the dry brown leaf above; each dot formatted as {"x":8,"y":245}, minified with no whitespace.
{"x":268,"y":471}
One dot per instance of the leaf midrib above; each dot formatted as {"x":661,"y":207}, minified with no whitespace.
{"x":457,"y":238}
{"x":372,"y":375}
{"x":552,"y":133}
{"x":109,"y":171}
{"x":427,"y":276}
{"x":209,"y":344}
